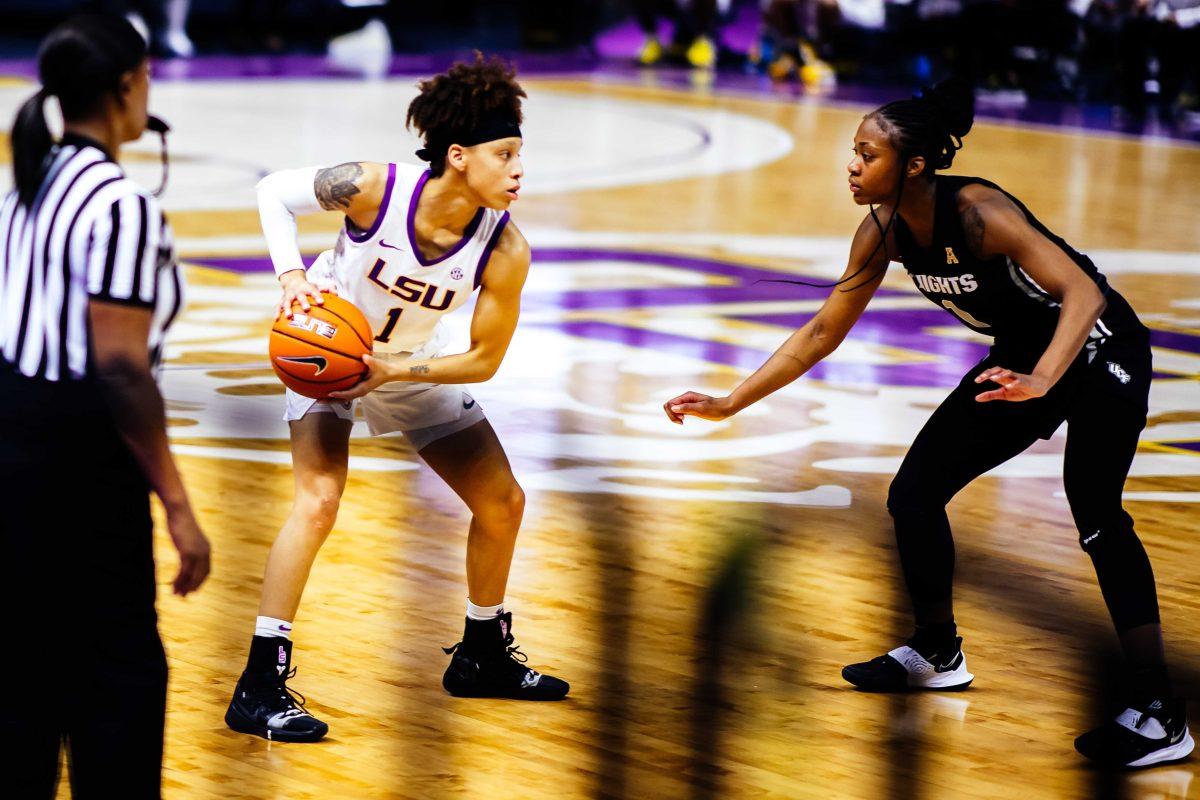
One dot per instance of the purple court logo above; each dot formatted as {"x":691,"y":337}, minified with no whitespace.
{"x":456,"y":274}
{"x":909,"y":326}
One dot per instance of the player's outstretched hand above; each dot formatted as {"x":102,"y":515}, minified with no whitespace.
{"x":194,"y":551}
{"x":1014,"y":386}
{"x":377,"y":375}
{"x":298,"y":289}
{"x":699,"y":405}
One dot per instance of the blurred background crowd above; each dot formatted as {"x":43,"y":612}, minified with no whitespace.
{"x":1140,"y":56}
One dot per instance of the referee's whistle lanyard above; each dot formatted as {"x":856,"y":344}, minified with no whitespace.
{"x":160,"y":127}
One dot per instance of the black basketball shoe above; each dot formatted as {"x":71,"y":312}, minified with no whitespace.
{"x":906,"y":668}
{"x":1153,"y":732}
{"x":264,"y":705}
{"x":487,"y":664}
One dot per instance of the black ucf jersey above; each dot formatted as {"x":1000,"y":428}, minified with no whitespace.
{"x":995,"y":296}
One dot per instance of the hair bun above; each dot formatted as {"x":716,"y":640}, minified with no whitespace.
{"x":954,"y":99}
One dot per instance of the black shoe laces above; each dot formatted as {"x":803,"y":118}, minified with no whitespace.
{"x":289,"y":697}
{"x":512,"y":652}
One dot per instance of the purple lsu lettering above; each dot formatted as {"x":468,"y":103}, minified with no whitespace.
{"x":412,"y":290}
{"x":960,"y":284}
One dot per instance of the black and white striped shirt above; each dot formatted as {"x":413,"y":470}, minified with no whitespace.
{"x":91,"y":233}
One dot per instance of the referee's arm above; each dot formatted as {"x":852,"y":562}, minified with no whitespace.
{"x":122,"y":281}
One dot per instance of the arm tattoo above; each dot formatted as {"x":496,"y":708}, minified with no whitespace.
{"x":419,"y":369}
{"x":335,"y":186}
{"x":972,"y":222}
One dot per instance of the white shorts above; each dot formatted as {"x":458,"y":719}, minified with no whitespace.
{"x":424,"y":412}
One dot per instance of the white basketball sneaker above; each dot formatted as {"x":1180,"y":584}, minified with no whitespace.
{"x":904,"y":668}
{"x":1154,"y":732}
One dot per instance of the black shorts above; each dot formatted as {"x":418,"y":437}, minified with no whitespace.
{"x":84,"y":660}
{"x":1120,"y":368}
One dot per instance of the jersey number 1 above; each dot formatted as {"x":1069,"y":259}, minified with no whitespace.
{"x":393,"y":318}
{"x":949,"y":306}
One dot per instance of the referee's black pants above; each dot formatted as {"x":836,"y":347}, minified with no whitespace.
{"x":83,"y":663}
{"x":1103,"y":400}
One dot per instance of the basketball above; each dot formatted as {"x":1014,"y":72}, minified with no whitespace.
{"x":320,"y":350}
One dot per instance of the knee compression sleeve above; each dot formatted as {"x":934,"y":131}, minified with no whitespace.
{"x":926,"y":547}
{"x":1126,"y":578}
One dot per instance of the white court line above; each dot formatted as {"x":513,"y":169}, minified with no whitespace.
{"x":365,"y":463}
{"x":1155,"y":497}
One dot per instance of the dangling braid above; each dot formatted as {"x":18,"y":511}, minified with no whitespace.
{"x":931,"y":125}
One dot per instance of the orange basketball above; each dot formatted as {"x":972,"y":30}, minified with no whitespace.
{"x":320,"y":351}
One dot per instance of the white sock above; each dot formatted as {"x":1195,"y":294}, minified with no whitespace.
{"x":269,"y":626}
{"x":484,"y":612}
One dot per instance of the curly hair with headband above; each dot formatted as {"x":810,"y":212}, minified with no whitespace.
{"x":461,"y":100}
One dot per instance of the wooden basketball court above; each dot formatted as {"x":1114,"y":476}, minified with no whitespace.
{"x":700,"y":587}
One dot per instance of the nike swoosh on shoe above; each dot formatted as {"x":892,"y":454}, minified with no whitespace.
{"x":953,"y":665}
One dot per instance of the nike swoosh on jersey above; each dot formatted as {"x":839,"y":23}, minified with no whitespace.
{"x":317,"y":361}
{"x":383,"y":243}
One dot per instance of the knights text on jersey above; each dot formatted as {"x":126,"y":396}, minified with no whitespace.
{"x":383,"y":272}
{"x":996,"y":296}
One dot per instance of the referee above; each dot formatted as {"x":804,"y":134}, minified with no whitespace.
{"x":88,"y":287}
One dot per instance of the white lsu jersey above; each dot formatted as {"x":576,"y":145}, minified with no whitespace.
{"x":382,"y":271}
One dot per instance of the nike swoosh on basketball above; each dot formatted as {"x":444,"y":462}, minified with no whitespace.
{"x":318,"y":361}
{"x":383,"y":243}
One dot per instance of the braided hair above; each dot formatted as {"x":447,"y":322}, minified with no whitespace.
{"x":930,"y":125}
{"x":460,"y":100}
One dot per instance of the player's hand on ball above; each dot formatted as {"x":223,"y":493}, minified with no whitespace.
{"x":694,"y":404}
{"x":194,"y":551}
{"x":378,"y":374}
{"x":1014,"y":386}
{"x":298,"y":289}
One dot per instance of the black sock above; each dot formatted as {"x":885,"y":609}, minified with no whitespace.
{"x":487,"y":636}
{"x":1150,"y":682}
{"x":939,"y":639}
{"x":267,"y":654}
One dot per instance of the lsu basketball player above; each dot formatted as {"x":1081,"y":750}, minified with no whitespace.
{"x":1067,"y":347}
{"x":416,"y":244}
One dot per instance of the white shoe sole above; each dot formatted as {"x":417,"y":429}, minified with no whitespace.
{"x":1180,"y":749}
{"x":944,"y":681}
{"x":923,"y":675}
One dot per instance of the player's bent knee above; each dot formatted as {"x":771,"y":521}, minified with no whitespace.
{"x":1120,"y":540}
{"x":911,"y":507}
{"x":504,"y":512}
{"x":912,"y":498}
{"x":516,"y":502}
{"x":319,"y":509}
{"x":901,"y":496}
